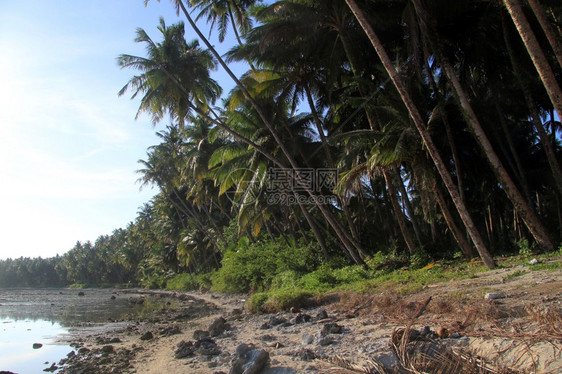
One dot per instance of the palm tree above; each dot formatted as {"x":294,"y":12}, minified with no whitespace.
{"x":225,"y":12}
{"x":171,"y":64}
{"x":349,"y":243}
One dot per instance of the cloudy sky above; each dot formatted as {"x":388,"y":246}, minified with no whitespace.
{"x":69,"y":145}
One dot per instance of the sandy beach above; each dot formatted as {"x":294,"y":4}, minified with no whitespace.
{"x":504,"y":321}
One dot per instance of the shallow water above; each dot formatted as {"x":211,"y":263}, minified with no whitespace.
{"x":29,"y":316}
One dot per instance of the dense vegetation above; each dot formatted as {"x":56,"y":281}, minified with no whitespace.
{"x":415,"y":130}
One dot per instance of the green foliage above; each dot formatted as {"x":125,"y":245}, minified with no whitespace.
{"x":253,"y":267}
{"x":515,"y":274}
{"x":189,"y":282}
{"x":525,"y":249}
{"x":278,"y":300}
{"x":550,"y":266}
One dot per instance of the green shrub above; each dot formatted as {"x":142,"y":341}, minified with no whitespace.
{"x":278,"y":300}
{"x":189,"y":282}
{"x":252,"y":267}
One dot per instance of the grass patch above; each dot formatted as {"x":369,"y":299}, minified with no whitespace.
{"x":515,"y":274}
{"x":549,"y":266}
{"x":277,"y":300}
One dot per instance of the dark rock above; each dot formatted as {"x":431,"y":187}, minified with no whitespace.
{"x":52,"y":368}
{"x":184,"y":349}
{"x":170,"y":330}
{"x":108,"y":349}
{"x":251,"y":362}
{"x":321,"y":315}
{"x":147,"y":336}
{"x":207,"y":347}
{"x":331,"y":328}
{"x":267,"y":338}
{"x":325,"y":340}
{"x":37,"y":345}
{"x":112,"y":297}
{"x":273,"y":321}
{"x":243,"y":348}
{"x":306,"y":355}
{"x":303,"y":318}
{"x":83,"y":351}
{"x":218,"y":326}
{"x":307,"y":339}
{"x":200,"y":334}
{"x":80,"y":293}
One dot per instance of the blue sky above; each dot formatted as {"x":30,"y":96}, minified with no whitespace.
{"x":68,"y":144}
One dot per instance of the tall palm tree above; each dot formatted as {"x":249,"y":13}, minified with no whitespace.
{"x":171,"y":64}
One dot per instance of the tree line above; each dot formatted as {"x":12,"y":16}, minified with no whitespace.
{"x":432,"y":124}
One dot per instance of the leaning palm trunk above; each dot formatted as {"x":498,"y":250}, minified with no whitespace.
{"x":547,"y":29}
{"x":352,"y":247}
{"x":398,"y":212}
{"x":421,"y":127}
{"x":539,"y":59}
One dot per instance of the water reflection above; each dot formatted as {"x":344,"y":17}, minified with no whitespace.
{"x":16,"y":345}
{"x":65,"y":306}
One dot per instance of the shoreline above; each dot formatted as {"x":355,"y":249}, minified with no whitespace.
{"x":209,"y":333}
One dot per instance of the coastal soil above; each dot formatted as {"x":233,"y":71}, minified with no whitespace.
{"x":505,"y":321}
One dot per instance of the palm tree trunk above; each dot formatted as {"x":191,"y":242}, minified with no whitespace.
{"x":351,"y":246}
{"x":464,"y":245}
{"x":421,"y":127}
{"x":398,"y":213}
{"x":547,"y":29}
{"x":408,"y":205}
{"x":446,"y":124}
{"x":539,"y":59}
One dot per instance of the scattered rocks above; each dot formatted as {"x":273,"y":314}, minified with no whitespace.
{"x":107,"y":340}
{"x":534,"y":261}
{"x":273,"y":321}
{"x":147,"y":336}
{"x":37,"y":345}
